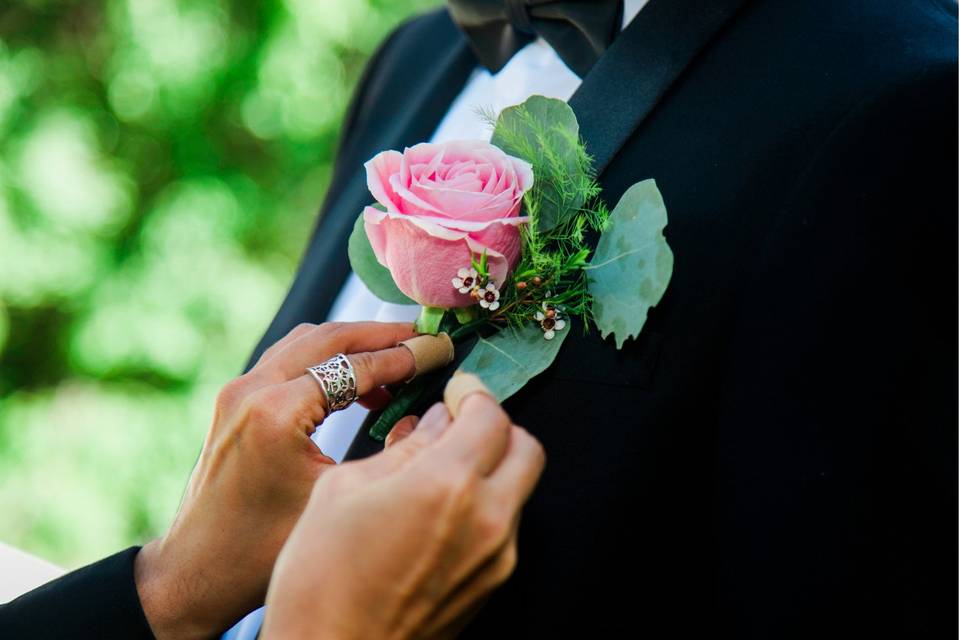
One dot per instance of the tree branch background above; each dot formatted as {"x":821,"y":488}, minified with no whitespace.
{"x":161,"y":165}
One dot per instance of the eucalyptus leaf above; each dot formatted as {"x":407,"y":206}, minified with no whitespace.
{"x":545,"y":133}
{"x":632,"y":265}
{"x":364,"y":263}
{"x":510,"y":358}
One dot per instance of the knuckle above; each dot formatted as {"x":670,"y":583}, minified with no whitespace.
{"x":506,"y":564}
{"x":500,"y":425}
{"x":504,"y":423}
{"x":537,"y":453}
{"x":231,"y":394}
{"x":261,"y":409}
{"x":330,"y":328}
{"x":302,"y":328}
{"x":499,"y":418}
{"x":492,"y":525}
{"x":362,"y":362}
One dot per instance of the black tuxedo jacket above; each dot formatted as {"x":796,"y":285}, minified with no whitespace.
{"x":774,"y":457}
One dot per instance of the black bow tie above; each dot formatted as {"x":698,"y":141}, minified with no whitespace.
{"x":578,"y":30}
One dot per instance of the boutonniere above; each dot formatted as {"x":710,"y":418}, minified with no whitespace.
{"x":491,"y":240}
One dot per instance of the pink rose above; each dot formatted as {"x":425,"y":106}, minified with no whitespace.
{"x":445,"y":203}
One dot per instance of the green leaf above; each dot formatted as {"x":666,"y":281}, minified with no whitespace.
{"x":545,"y":133}
{"x":364,"y":263}
{"x":402,"y":403}
{"x":633,"y":263}
{"x":508,"y":359}
{"x":429,"y":320}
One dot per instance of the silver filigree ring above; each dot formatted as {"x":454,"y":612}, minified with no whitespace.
{"x":337,"y":381}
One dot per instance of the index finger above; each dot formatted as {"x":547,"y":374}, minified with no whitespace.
{"x":327,"y":340}
{"x":516,"y":477}
{"x":479,"y":436}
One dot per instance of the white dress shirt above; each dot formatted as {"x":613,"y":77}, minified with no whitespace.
{"x":534,"y":70}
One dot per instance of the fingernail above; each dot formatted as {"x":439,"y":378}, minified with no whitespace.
{"x":404,"y":427}
{"x":435,"y":420}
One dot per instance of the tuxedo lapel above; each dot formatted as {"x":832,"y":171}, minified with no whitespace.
{"x":643,"y":62}
{"x":654,"y":49}
{"x":419,"y":95}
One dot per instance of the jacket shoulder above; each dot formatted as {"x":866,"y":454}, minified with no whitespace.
{"x":418,"y":37}
{"x":883,"y":37}
{"x":391,"y":72}
{"x":436,"y":23}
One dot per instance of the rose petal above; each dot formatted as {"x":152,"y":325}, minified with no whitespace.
{"x":408,"y":202}
{"x":417,"y":248}
{"x":379,"y":170}
{"x":446,"y":203}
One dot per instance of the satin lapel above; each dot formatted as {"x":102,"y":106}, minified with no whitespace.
{"x":413,"y":114}
{"x":643,"y":62}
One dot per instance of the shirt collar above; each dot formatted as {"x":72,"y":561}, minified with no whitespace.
{"x":630,"y":10}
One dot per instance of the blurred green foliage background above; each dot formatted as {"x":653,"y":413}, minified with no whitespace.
{"x":161,"y":165}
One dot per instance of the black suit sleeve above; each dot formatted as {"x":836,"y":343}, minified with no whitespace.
{"x":98,"y":601}
{"x":836,"y":462}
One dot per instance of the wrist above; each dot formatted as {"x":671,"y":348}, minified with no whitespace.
{"x":292,"y":617}
{"x":168,"y":595}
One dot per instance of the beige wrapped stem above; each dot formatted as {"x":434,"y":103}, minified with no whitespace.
{"x":429,"y":352}
{"x":459,"y":387}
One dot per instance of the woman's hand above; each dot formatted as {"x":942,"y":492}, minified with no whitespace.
{"x":407,"y":543}
{"x":253,"y":478}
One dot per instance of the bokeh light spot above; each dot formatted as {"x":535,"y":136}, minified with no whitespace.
{"x":69,"y":182}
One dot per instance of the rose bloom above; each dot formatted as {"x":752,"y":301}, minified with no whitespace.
{"x":445,"y":203}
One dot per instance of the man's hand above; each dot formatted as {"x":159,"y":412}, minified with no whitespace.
{"x":405,"y":544}
{"x":253,"y":478}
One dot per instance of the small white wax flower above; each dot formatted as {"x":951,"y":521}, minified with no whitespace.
{"x":490,"y":297}
{"x":550,"y":321}
{"x":466,"y":279}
